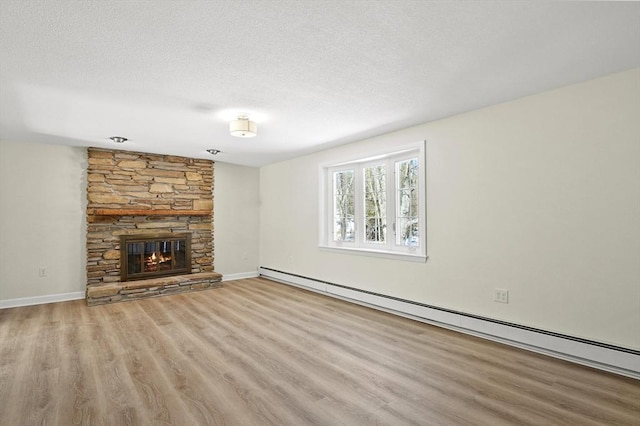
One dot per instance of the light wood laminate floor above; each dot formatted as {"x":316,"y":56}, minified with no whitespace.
{"x":256,"y":352}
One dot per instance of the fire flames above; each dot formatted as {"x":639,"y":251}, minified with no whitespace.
{"x":155,"y":260}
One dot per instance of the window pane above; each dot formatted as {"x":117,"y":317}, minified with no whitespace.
{"x":375,"y":196}
{"x":344,"y":206}
{"x":407,"y":221}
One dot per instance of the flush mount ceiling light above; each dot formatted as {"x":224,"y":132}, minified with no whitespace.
{"x":118,"y":139}
{"x":243,"y":127}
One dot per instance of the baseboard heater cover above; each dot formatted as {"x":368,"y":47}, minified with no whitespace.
{"x":615,"y":359}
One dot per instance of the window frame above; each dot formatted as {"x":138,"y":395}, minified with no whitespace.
{"x":390,"y":248}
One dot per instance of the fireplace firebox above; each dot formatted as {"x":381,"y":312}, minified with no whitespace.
{"x":154,"y":255}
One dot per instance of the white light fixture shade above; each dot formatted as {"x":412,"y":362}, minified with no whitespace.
{"x":243,"y":127}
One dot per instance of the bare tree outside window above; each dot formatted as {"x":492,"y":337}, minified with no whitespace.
{"x":407,"y":221}
{"x":375,"y":195}
{"x":344,"y":206}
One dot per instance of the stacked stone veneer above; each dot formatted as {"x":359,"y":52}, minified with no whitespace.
{"x":134,"y":183}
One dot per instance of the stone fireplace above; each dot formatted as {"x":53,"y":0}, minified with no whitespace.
{"x":149,"y":225}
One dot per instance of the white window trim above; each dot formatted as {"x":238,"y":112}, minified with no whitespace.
{"x":404,"y":253}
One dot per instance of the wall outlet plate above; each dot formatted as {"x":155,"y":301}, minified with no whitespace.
{"x":501,"y":295}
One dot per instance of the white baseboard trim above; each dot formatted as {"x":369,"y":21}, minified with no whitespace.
{"x":605,"y":357}
{"x":63,"y":297}
{"x":239,"y":276}
{"x":40,"y":300}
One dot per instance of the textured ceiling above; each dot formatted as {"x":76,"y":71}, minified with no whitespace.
{"x":169,"y":75}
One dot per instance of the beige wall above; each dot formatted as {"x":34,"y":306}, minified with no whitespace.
{"x":540,"y":196}
{"x":236,"y":219}
{"x":42,"y":215}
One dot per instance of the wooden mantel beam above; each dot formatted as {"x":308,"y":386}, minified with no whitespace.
{"x":143,"y":212}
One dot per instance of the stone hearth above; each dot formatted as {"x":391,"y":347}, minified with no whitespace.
{"x":132,"y":193}
{"x":116,"y":292}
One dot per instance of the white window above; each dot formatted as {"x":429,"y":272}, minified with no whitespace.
{"x":376,"y":205}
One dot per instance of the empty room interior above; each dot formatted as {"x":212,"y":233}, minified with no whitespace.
{"x":328,"y":212}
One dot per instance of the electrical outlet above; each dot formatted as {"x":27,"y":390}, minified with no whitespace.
{"x":501,"y":295}
{"x":42,"y":272}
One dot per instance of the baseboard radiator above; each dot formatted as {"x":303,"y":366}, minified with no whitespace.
{"x":611,"y":358}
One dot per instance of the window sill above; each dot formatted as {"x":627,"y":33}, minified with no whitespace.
{"x":407,"y":257}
